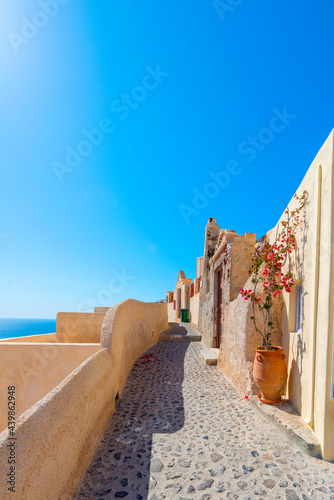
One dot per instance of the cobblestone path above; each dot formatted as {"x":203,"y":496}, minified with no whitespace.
{"x":184,"y":433}
{"x":181,"y":331}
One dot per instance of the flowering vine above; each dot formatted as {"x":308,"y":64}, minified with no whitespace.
{"x":269,"y":260}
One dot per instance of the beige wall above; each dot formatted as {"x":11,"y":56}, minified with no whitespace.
{"x":172,"y":314}
{"x":130,"y":328}
{"x":242,"y":252}
{"x":102,"y":310}
{"x":58,"y":436}
{"x":310,"y":351}
{"x":79,"y":327}
{"x":194,"y":309}
{"x":46,"y":337}
{"x":239,"y":341}
{"x":35,"y":369}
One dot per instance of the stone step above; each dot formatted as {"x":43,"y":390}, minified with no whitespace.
{"x":181,"y":332}
{"x":210,"y":356}
{"x":288,"y":421}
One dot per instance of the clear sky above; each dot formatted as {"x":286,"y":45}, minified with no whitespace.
{"x":125,"y":125}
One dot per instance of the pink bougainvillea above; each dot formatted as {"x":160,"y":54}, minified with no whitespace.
{"x":268,"y":264}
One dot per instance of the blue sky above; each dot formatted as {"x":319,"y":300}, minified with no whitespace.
{"x":125,"y":126}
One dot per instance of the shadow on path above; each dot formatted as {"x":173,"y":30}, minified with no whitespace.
{"x":151,"y":403}
{"x":180,"y":328}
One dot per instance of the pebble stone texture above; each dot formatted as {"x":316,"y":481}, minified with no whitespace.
{"x":182,"y":432}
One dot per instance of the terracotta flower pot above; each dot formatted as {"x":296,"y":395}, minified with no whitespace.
{"x":270,"y":373}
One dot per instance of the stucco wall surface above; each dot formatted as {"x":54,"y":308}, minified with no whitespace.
{"x":206,"y":318}
{"x":74,"y":328}
{"x":101,"y":310}
{"x":36,"y":369}
{"x":310,"y":350}
{"x":59,"y":434}
{"x":194,"y":309}
{"x":172,"y":316}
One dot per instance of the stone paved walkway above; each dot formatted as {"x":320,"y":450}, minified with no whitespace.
{"x":184,"y":433}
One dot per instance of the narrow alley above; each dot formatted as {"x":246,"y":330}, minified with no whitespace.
{"x":181,"y":432}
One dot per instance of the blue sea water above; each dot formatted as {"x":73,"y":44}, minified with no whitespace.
{"x":19,"y":327}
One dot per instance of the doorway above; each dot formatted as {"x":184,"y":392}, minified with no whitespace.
{"x":219,"y":309}
{"x":178,"y":303}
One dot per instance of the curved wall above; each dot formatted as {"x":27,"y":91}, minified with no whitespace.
{"x":34,"y":369}
{"x":58,"y":436}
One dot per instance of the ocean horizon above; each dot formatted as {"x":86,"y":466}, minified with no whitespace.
{"x":24,"y":327}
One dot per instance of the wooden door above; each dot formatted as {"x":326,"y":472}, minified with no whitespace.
{"x":178,"y":302}
{"x":219,"y":323}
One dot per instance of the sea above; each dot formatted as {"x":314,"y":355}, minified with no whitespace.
{"x":20,"y":327}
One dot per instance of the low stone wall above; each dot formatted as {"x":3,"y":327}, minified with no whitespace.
{"x":101,"y":310}
{"x":311,"y":350}
{"x":58,"y":436}
{"x":74,"y":328}
{"x":45,"y":337}
{"x":129,"y":329}
{"x":34,"y":369}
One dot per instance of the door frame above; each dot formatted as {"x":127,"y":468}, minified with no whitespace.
{"x":218,"y":307}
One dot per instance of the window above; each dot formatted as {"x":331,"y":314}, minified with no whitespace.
{"x":299,"y":292}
